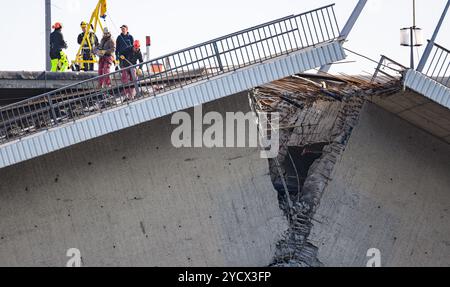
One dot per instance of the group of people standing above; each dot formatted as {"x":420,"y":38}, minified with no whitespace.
{"x":125,"y":50}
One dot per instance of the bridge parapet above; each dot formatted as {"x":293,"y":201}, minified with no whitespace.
{"x":186,"y":78}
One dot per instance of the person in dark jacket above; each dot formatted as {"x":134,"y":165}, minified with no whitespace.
{"x":124,"y":41}
{"x":90,"y":43}
{"x":57,"y":44}
{"x":130,"y":57}
{"x":105,"y":50}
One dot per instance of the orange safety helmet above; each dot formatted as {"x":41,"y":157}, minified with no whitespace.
{"x":57,"y":26}
{"x":137,"y":44}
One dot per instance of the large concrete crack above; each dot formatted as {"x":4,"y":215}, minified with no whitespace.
{"x":317,"y":120}
{"x":294,"y":249}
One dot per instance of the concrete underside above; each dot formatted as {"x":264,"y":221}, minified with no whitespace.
{"x":131,"y":199}
{"x":391,"y":191}
{"x":430,"y":87}
{"x":420,"y":111}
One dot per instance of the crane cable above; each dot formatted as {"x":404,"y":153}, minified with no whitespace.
{"x":370,"y":59}
{"x":116,"y":28}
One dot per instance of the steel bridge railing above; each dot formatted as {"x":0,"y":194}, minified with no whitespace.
{"x":438,"y":65}
{"x":172,"y":71}
{"x":388,"y":69}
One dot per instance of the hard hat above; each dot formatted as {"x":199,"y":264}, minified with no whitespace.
{"x":83,"y":24}
{"x":57,"y":26}
{"x":137,"y":44}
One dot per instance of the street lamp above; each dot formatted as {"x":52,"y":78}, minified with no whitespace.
{"x":412,"y":36}
{"x":48,"y":25}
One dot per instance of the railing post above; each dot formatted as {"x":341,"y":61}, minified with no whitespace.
{"x":133,"y":72}
{"x":375,"y":75}
{"x":3,"y":128}
{"x":216,"y":51}
{"x":52,"y":109}
{"x":430,"y":45}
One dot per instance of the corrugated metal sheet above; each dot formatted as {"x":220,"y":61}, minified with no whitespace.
{"x":168,"y":103}
{"x":428,"y":87}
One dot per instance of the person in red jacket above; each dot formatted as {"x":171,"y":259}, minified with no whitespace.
{"x":129,"y":58}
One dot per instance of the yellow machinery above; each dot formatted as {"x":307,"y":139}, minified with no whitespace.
{"x":94,"y":23}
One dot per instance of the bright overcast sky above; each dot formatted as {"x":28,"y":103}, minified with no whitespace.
{"x":176,"y":24}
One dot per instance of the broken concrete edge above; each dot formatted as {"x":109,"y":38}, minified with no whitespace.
{"x":335,"y":129}
{"x":43,"y":75}
{"x":10,"y":82}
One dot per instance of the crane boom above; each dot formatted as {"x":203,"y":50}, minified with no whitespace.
{"x":99,"y":13}
{"x":103,"y":8}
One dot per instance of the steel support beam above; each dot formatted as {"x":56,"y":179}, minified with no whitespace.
{"x":348,"y":27}
{"x":430,"y":45}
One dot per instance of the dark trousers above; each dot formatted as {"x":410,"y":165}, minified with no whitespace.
{"x":87,"y":56}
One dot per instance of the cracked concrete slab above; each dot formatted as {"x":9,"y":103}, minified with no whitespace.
{"x":391,"y":191}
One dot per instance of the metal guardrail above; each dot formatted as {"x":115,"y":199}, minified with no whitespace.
{"x":172,"y":71}
{"x":438,"y":68}
{"x":389,"y":68}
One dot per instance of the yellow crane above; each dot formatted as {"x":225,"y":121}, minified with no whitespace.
{"x":94,"y":23}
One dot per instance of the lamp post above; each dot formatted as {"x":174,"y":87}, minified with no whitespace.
{"x":411,"y":36}
{"x":48,"y":25}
